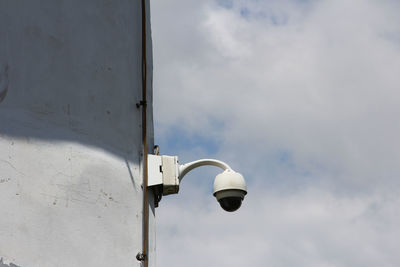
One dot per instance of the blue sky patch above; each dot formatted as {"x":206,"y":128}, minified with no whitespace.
{"x":225,"y":3}
{"x":177,"y":139}
{"x":244,"y":12}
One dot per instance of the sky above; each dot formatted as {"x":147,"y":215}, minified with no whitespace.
{"x":299,"y":96}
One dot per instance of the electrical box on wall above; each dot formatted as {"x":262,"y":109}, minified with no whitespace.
{"x":163,"y":170}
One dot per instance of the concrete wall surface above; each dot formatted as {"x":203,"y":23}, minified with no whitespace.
{"x":71,"y":133}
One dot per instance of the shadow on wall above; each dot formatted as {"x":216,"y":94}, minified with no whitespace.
{"x":19,"y":124}
{"x":73,"y":73}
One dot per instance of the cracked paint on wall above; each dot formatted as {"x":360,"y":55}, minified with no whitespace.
{"x":3,"y":264}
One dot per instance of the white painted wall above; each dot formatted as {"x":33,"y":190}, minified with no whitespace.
{"x":70,"y":133}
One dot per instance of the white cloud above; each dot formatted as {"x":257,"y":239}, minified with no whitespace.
{"x":305,"y":96}
{"x":309,"y":227}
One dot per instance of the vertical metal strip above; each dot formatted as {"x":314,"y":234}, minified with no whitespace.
{"x":144,"y":132}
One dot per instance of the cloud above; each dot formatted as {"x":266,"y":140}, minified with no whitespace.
{"x":309,"y":227}
{"x":300,"y":96}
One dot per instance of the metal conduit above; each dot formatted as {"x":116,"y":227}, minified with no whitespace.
{"x":143,"y":103}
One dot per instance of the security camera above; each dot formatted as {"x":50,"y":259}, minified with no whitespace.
{"x":165,"y":175}
{"x":229,"y":190}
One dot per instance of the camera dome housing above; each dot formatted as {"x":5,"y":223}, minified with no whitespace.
{"x":230,"y":189}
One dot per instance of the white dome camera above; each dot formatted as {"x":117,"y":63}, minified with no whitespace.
{"x":165,"y":171}
{"x":230,"y":189}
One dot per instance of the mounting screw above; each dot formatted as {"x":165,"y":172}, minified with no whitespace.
{"x":140,"y":256}
{"x":141,"y":103}
{"x":156,"y":150}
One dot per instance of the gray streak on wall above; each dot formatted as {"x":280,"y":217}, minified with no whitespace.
{"x":3,"y":81}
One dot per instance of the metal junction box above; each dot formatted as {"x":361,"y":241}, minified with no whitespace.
{"x":163,"y":170}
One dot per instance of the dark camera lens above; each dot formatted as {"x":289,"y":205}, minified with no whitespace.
{"x":230,"y":203}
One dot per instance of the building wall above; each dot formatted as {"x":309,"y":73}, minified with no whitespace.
{"x":71,"y":133}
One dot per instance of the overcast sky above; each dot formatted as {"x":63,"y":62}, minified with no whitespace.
{"x":301,"y":97}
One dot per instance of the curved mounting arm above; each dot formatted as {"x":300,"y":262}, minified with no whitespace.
{"x":185,"y":168}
